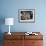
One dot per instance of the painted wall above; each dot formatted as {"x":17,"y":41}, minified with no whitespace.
{"x":9,"y":8}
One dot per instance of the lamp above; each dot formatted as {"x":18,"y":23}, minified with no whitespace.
{"x":9,"y":21}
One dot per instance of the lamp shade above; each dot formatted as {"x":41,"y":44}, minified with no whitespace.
{"x":9,"y":21}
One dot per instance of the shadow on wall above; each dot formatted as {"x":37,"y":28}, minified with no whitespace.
{"x":1,"y":39}
{"x":2,"y":21}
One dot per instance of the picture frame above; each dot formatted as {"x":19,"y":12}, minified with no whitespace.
{"x":26,"y":15}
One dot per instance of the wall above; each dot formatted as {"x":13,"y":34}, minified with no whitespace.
{"x":9,"y":8}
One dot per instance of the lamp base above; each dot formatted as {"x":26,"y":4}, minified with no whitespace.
{"x":9,"y":33}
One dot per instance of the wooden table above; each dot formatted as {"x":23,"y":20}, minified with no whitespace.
{"x":20,"y":39}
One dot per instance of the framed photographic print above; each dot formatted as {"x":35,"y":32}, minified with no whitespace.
{"x":26,"y":15}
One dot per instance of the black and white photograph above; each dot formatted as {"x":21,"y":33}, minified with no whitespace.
{"x":26,"y":15}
